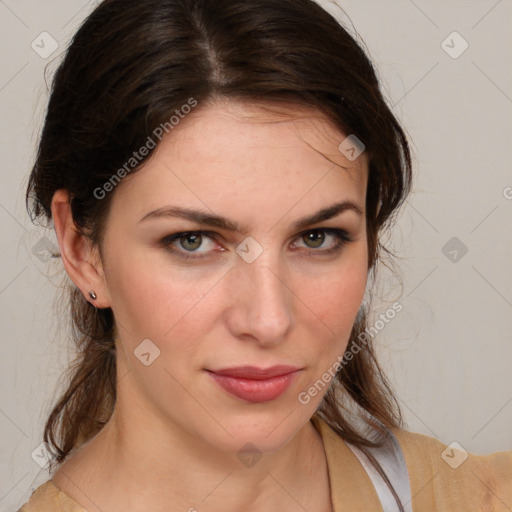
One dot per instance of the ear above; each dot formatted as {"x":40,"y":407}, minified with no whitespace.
{"x":81,"y":260}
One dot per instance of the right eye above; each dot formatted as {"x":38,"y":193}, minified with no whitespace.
{"x":188,"y":242}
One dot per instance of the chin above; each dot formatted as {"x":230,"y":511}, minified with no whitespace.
{"x":267,"y":428}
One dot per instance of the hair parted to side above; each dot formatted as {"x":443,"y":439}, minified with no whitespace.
{"x":129,"y":67}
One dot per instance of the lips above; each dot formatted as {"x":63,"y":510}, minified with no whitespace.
{"x":253,"y":372}
{"x":254,"y":384}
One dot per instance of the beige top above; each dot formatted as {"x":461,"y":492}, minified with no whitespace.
{"x":480,"y":483}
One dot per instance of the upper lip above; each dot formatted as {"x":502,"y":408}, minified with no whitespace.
{"x":253,"y":372}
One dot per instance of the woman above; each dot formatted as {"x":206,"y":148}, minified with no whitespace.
{"x":218,"y":174}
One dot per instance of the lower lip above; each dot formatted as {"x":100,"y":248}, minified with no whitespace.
{"x":253,"y":390}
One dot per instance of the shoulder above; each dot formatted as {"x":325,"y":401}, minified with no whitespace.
{"x":441,"y":477}
{"x":48,"y":498}
{"x":446,"y":477}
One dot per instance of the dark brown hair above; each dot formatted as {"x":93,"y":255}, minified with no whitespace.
{"x":128,"y":68}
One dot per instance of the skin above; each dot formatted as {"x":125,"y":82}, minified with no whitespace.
{"x":292,"y":305}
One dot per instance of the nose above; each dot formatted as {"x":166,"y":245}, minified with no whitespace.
{"x":262,"y":302}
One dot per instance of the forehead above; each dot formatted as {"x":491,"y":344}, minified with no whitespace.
{"x":273,"y":153}
{"x":263,"y":127}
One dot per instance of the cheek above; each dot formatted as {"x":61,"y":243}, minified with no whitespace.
{"x":157,"y":301}
{"x":335,"y":298}
{"x":334,"y":312}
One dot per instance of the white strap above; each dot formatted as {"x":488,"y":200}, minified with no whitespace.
{"x":391,"y":458}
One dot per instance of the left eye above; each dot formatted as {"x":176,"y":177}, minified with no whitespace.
{"x":316,"y":238}
{"x":191,"y":241}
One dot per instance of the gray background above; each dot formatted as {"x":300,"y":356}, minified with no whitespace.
{"x":448,"y":352}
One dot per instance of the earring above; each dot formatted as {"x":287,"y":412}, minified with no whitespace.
{"x":93,"y":295}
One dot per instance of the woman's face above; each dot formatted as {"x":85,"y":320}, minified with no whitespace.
{"x":260,"y":286}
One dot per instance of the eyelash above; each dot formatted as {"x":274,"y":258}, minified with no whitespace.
{"x":341,"y":235}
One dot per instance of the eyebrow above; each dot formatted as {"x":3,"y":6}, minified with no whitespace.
{"x":228,"y":225}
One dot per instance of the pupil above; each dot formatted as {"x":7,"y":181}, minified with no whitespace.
{"x":317,"y":237}
{"x":193,"y":239}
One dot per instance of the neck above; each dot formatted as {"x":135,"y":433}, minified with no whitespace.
{"x":139,"y":463}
